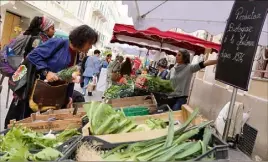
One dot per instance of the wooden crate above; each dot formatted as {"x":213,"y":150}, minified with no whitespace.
{"x":40,"y":123}
{"x":151,"y":103}
{"x":180,"y":116}
{"x":146,"y":101}
{"x":62,"y":111}
{"x":187,"y":111}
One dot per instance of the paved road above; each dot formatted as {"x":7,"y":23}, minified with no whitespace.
{"x":3,"y":97}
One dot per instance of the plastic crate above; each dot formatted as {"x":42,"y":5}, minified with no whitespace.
{"x":61,"y":148}
{"x":139,"y":111}
{"x":219,"y":150}
{"x":164,"y":99}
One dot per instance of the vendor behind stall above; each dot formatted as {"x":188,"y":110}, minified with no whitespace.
{"x":181,"y":75}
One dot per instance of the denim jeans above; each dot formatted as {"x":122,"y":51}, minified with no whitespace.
{"x":180,"y":101}
{"x":86,"y":81}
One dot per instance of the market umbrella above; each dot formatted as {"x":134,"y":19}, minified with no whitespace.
{"x":168,"y":41}
{"x":140,"y":45}
{"x":186,"y":15}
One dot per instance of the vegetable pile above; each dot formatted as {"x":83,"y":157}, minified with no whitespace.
{"x":153,"y":84}
{"x":103,"y":119}
{"x":156,"y":123}
{"x":71,"y":74}
{"x":119,"y":91}
{"x":179,"y":144}
{"x":20,"y":143}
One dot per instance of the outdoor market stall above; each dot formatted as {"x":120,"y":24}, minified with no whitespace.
{"x":113,"y":130}
{"x":168,"y":41}
{"x":67,"y":143}
{"x":238,"y":46}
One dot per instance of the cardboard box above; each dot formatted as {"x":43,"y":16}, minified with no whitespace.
{"x":180,"y":116}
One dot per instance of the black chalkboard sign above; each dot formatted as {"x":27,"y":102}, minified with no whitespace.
{"x":239,"y":43}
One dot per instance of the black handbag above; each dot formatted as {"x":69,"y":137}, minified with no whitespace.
{"x":18,"y":81}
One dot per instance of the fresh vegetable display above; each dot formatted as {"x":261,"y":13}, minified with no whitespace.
{"x":153,"y":84}
{"x":156,"y":123}
{"x":179,"y":144}
{"x":104,"y":119}
{"x":71,"y":74}
{"x":19,"y":144}
{"x":119,"y":91}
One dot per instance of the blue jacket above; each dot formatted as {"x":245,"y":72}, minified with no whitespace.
{"x":53,"y":55}
{"x":92,"y":66}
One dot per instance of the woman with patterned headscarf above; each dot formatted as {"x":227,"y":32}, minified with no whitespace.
{"x":40,"y":29}
{"x":47,"y":28}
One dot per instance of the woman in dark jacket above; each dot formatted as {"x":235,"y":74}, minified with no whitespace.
{"x":125,"y":71}
{"x":41,"y":29}
{"x":35,"y":30}
{"x":51,"y":57}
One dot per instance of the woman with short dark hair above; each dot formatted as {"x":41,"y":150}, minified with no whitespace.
{"x":125,"y":71}
{"x":49,"y":58}
{"x":181,"y":75}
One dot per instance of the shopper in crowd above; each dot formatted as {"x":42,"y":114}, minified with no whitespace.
{"x":49,"y":58}
{"x":181,"y":75}
{"x":41,"y":29}
{"x":92,"y":68}
{"x":48,"y":28}
{"x":107,"y":60}
{"x":125,"y":71}
{"x":136,"y":64}
{"x":113,"y":68}
{"x":162,"y":68}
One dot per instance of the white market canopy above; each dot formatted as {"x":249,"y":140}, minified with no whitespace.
{"x":189,"y":16}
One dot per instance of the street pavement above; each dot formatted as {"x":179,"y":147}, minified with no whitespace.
{"x":3,"y":97}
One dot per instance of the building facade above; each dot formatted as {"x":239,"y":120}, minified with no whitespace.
{"x":100,"y":15}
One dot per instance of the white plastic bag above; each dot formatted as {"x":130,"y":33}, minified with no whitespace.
{"x":102,"y":84}
{"x":236,"y":119}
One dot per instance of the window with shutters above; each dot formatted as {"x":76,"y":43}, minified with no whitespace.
{"x":82,"y":9}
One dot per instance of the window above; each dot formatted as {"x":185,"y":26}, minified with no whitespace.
{"x":82,"y":9}
{"x":260,"y":67}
